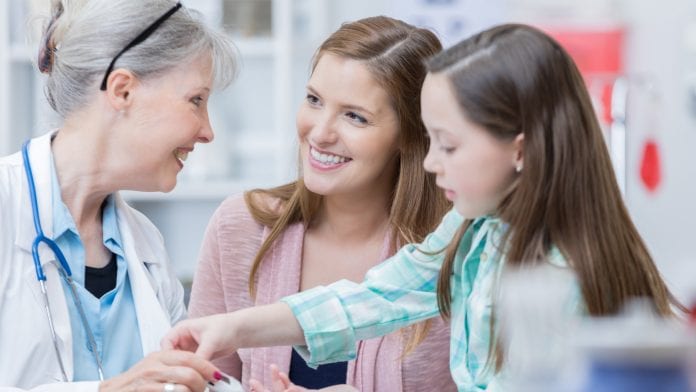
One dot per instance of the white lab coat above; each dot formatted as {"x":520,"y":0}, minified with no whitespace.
{"x":27,"y":356}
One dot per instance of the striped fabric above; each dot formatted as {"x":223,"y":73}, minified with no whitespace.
{"x":402,"y":290}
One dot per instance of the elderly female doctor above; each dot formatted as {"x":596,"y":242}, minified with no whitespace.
{"x":131,"y":80}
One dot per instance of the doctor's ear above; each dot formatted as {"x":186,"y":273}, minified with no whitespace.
{"x":119,"y":86}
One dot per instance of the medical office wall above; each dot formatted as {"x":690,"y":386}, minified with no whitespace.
{"x":254,"y":119}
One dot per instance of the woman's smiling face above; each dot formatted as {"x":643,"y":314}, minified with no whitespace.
{"x":348,"y":130}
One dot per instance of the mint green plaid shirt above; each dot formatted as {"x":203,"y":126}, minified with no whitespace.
{"x":402,"y":291}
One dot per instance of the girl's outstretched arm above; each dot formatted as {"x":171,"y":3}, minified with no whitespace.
{"x":222,"y":334}
{"x":325,"y":322}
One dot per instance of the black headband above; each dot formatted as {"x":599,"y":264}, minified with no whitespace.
{"x":140,"y":38}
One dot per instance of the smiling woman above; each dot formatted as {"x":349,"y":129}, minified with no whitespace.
{"x":173,"y":109}
{"x":131,"y":81}
{"x":362,"y":192}
{"x":348,"y":131}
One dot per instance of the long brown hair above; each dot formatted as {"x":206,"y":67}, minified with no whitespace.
{"x":394,"y":52}
{"x":515,"y":79}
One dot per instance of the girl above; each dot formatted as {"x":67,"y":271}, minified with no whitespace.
{"x":516,"y":146}
{"x":363,"y":192}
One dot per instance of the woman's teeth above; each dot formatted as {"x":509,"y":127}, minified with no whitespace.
{"x":327,"y":158}
{"x":181,"y":155}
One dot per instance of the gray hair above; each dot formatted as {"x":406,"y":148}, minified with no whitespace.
{"x":83,"y":36}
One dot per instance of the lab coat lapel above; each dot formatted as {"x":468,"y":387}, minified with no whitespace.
{"x":152,"y":318}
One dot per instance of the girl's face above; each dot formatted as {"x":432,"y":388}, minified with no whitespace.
{"x":475,"y":169}
{"x":348,"y":130}
{"x":169,"y":116}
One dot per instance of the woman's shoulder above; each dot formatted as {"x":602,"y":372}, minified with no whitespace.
{"x":11,"y":201}
{"x":233,"y":205}
{"x":235,"y":226}
{"x":11,"y":173}
{"x":8,"y":176}
{"x":11,"y":161}
{"x":236,"y":212}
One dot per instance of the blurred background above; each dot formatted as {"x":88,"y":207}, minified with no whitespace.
{"x":638,"y":58}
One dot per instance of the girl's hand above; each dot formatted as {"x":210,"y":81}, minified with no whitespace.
{"x":209,"y":337}
{"x":281,"y":383}
{"x":185,"y":371}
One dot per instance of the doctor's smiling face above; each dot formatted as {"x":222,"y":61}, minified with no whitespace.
{"x":348,"y":130}
{"x":169,"y":116}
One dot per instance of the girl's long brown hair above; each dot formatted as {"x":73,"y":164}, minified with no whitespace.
{"x":395,"y":53}
{"x":515,"y":79}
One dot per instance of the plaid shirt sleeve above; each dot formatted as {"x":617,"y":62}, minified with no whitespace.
{"x":398,"y":292}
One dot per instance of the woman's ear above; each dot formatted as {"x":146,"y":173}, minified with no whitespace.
{"x":518,"y":150}
{"x":119,"y":87}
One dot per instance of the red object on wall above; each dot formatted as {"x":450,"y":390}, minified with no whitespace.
{"x":594,"y":50}
{"x":650,"y":171}
{"x":598,"y":53}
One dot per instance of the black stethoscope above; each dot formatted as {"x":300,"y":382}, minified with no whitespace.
{"x":63,"y":268}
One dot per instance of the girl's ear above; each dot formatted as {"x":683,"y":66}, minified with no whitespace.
{"x":119,"y":87}
{"x":518,"y":150}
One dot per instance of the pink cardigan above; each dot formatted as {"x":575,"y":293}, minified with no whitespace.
{"x":221,"y":285}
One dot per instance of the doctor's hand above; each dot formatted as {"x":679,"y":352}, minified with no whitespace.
{"x":281,"y":383}
{"x":183,"y":371}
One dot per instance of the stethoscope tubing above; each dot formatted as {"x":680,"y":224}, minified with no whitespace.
{"x":63,"y":269}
